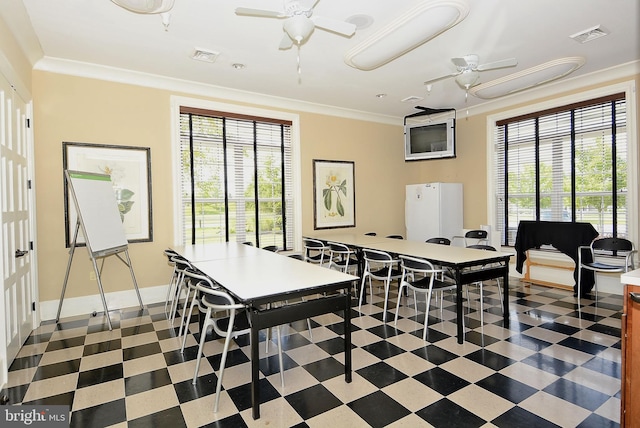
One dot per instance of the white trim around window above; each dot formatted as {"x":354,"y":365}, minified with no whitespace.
{"x":178,"y":101}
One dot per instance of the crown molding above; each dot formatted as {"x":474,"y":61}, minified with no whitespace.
{"x":119,"y":75}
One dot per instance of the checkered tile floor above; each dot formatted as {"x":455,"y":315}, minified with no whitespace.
{"x":557,"y":365}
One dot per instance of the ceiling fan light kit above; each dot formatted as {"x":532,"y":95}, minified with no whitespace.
{"x":410,"y":30}
{"x":299,"y":28}
{"x":528,"y":78}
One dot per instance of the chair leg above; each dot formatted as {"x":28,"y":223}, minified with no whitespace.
{"x":395,"y":322}
{"x":186,"y":330}
{"x":364,"y":279}
{"x":426,"y":316}
{"x":170,"y":291}
{"x":223,"y":360}
{"x":387,"y":286}
{"x":280,"y":356}
{"x":203,"y":335}
{"x":579,"y":282}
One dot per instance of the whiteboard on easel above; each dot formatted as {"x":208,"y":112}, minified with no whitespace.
{"x":97,"y":211}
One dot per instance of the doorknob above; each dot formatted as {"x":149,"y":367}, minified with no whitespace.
{"x":20,"y":253}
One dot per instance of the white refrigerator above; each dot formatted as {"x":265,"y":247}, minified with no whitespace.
{"x":433,"y":210}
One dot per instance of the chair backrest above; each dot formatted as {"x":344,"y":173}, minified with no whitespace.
{"x":371,"y":234}
{"x":416,"y":265}
{"x":219,"y":300}
{"x":296,"y":256}
{"x":377,"y":256}
{"x":440,"y":241}
{"x":314,"y":250}
{"x":478,"y":234}
{"x":248,"y":243}
{"x":482,"y":247}
{"x":395,"y":236}
{"x":272,"y":248}
{"x":612,"y":245}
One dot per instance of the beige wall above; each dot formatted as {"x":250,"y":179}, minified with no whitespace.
{"x":75,"y":109}
{"x":19,"y":66}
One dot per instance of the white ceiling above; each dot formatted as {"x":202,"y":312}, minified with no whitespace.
{"x":533,"y":31}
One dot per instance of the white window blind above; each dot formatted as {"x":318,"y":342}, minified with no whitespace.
{"x":566,"y":164}
{"x":236,"y":179}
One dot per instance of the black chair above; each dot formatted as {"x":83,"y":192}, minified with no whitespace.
{"x":607,"y":255}
{"x":248,"y":243}
{"x":395,"y":236}
{"x":439,"y":241}
{"x":371,"y":234}
{"x":481,"y":284}
{"x":272,"y":248}
{"x":478,"y":236}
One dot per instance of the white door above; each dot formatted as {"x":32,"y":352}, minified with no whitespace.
{"x":16,"y":202}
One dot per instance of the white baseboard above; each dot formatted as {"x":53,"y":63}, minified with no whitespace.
{"x":88,"y":304}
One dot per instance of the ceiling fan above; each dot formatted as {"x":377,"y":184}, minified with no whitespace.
{"x":468,"y":70}
{"x":300,"y":21}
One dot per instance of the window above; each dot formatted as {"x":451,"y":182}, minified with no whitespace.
{"x":235,"y":179}
{"x":564,"y":164}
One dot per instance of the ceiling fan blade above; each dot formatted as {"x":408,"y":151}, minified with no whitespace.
{"x":460,"y":62}
{"x":286,"y":42}
{"x":334,"y":25}
{"x":259,"y":12}
{"x":437,"y":79}
{"x":509,"y":62}
{"x":307,"y":4}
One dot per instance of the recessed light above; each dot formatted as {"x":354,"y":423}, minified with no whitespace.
{"x":238,"y":66}
{"x":361,"y":21}
{"x":381,"y":95}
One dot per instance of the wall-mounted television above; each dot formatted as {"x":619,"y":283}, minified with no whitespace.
{"x":431,"y":140}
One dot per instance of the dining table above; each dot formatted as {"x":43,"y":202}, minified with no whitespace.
{"x":467,"y":265}
{"x":259,"y":279}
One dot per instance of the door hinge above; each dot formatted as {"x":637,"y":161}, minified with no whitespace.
{"x":28,"y":123}
{"x":29,"y":184}
{"x":33,"y":306}
{"x":31,"y":245}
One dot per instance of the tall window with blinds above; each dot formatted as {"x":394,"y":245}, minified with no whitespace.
{"x":236,"y":179}
{"x":564,"y":164}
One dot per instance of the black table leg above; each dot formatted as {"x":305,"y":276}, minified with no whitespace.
{"x":347,"y":336}
{"x":255,"y":376}
{"x":459,"y":312}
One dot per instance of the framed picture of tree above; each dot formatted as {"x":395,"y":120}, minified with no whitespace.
{"x":334,"y":204}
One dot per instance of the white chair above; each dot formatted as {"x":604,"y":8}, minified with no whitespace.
{"x":383,"y":267}
{"x":171,"y":290}
{"x":181,"y":265}
{"x":420,"y":276}
{"x":341,"y":257}
{"x":213,"y":299}
{"x":618,"y":253}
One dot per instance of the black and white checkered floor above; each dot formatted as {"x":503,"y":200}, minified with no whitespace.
{"x":557,"y":365}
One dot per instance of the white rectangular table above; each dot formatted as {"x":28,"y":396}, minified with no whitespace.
{"x":258,"y":278}
{"x":464,"y":263}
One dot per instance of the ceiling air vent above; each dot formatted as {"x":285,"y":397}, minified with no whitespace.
{"x":412,"y":99}
{"x":204,"y":55}
{"x":589,"y":34}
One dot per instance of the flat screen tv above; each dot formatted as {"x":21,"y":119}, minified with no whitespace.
{"x":433,"y":140}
